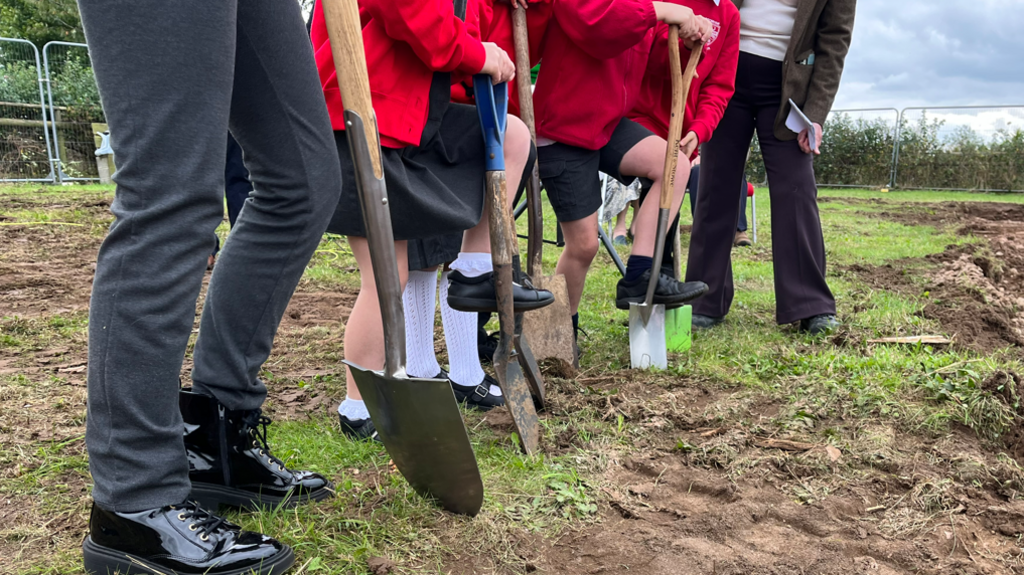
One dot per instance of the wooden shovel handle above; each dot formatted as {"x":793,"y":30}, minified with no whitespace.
{"x":535,"y":216}
{"x":680,"y":89}
{"x":522,"y":44}
{"x":345,"y":32}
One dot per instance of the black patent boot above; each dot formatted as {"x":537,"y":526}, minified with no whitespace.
{"x":230,"y":463}
{"x":178,"y":540}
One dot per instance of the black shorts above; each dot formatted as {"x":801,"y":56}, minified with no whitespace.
{"x":434,"y":189}
{"x":570,"y":174}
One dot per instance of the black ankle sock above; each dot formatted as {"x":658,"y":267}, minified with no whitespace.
{"x":636,"y":266}
{"x":576,"y":326}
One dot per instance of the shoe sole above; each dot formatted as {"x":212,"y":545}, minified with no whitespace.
{"x":623,"y":304}
{"x":473,"y":305}
{"x":703,"y":327}
{"x":211,"y":496}
{"x":101,"y":560}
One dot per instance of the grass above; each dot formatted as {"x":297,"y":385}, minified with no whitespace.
{"x":813,"y":382}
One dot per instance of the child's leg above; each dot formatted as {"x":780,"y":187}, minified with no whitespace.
{"x":364,"y":332}
{"x":419,"y":299}
{"x":620,"y":223}
{"x":517,"y":153}
{"x":581,"y":246}
{"x":473,"y":287}
{"x":647,"y":160}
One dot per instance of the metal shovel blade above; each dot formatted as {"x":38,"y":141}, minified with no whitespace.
{"x":419,"y":422}
{"x":529,"y":366}
{"x":647,"y":347}
{"x":550,"y":328}
{"x":519,"y":401}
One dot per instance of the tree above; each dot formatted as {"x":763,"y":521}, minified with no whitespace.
{"x":41,"y":21}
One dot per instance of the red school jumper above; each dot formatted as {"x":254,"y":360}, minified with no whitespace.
{"x":714,"y":84}
{"x":593,"y":60}
{"x":496,"y":26}
{"x":406,"y":41}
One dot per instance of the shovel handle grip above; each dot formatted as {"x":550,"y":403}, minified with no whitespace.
{"x":680,"y":89}
{"x":346,"y":34}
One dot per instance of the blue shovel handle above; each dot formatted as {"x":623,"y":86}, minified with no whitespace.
{"x":492,"y":107}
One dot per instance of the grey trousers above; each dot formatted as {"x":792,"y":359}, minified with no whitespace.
{"x":174,"y":77}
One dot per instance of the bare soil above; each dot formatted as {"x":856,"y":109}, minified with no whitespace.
{"x":710,"y":488}
{"x":709,"y":484}
{"x":976,"y":291}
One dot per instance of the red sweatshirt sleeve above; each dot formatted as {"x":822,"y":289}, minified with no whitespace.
{"x":717,"y":88}
{"x":430,"y":28}
{"x":605,"y":28}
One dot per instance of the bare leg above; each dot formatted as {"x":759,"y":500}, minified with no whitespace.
{"x":647,"y":160}
{"x":620,"y":223}
{"x":517,"y":152}
{"x":364,"y":332}
{"x":580,"y":248}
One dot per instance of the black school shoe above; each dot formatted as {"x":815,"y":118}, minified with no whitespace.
{"x":669,"y":291}
{"x":699,"y":322}
{"x":230,"y":462}
{"x":478,"y":294}
{"x":478,"y":397}
{"x":820,"y":324}
{"x":359,"y":429}
{"x":180,"y":540}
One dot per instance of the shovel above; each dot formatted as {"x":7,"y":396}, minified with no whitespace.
{"x":492,"y":107}
{"x":417,"y":419}
{"x":549,"y":328}
{"x":647,"y":345}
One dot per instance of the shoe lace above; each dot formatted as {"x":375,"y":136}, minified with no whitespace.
{"x":520,"y":277}
{"x":205,"y":523}
{"x":255,"y":424}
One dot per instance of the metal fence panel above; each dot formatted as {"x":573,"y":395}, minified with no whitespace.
{"x":859,"y":148}
{"x":75,"y":110}
{"x":976,"y":148}
{"x":25,"y":149}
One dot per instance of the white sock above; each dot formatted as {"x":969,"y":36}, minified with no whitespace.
{"x":354,"y":409}
{"x":473,"y":264}
{"x":460,"y":337}
{"x":420,"y":306}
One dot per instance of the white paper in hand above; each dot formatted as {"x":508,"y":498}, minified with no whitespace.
{"x":798,"y":122}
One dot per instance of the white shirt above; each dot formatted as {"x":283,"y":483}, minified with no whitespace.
{"x":766,"y":27}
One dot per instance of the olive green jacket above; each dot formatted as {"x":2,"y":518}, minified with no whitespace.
{"x":822,"y":28}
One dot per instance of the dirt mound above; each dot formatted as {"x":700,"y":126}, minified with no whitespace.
{"x":976,"y":291}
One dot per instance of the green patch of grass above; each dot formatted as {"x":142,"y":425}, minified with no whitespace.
{"x":915,"y":195}
{"x":815,"y":383}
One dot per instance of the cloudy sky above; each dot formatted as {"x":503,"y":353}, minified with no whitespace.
{"x":935,"y":52}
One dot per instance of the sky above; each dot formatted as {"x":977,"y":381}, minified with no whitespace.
{"x":935,"y":53}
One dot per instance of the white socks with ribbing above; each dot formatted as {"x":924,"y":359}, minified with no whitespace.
{"x":460,"y":337}
{"x":420,"y":301}
{"x":472,"y":264}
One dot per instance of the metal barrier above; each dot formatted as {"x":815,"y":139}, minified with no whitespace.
{"x":860,"y":148}
{"x":25,"y":150}
{"x":74,"y":109}
{"x":974,"y":148}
